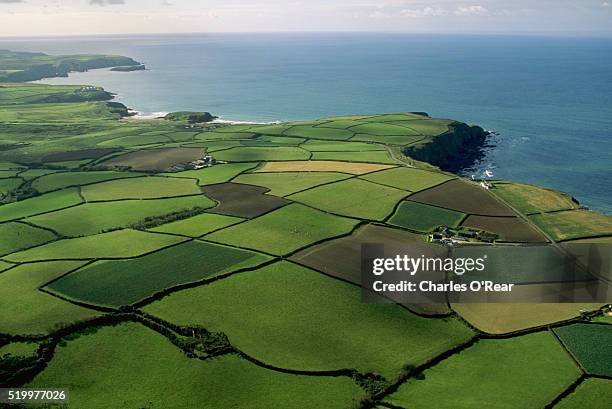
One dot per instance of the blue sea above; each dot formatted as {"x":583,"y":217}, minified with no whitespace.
{"x":550,"y":99}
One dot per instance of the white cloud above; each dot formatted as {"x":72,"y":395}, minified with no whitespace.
{"x":605,"y":4}
{"x":424,"y":12}
{"x":106,"y":2}
{"x":476,"y":10}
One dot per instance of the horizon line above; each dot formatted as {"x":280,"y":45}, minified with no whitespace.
{"x":544,"y":34}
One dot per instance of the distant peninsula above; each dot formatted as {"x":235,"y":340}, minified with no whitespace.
{"x":129,"y":68}
{"x":27,"y":66}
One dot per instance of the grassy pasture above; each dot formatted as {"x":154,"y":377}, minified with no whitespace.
{"x":310,"y":322}
{"x":35,"y":173}
{"x":340,"y":123}
{"x":407,"y":178}
{"x":383,"y":129}
{"x":502,"y":318}
{"x":367,"y":156}
{"x":8,"y":173}
{"x":220,"y":134}
{"x":173,"y":381}
{"x":533,"y":199}
{"x":181,"y":136}
{"x":535,"y":370}
{"x":19,"y":349}
{"x":136,"y":140}
{"x":428,"y":127}
{"x":67,"y":179}
{"x":72,"y":155}
{"x":5,"y":266}
{"x":215,"y":174}
{"x":70,"y":164}
{"x":40,"y":204}
{"x":213,"y":146}
{"x":8,"y":185}
{"x":61,"y":112}
{"x":286,"y":183}
{"x":423,"y":218}
{"x":352,"y":197}
{"x":271,"y":140}
{"x":124,"y":282}
{"x":402,"y":116}
{"x":605,"y":318}
{"x":588,"y":395}
{"x":284,"y":230}
{"x":154,"y":159}
{"x":400,"y":140}
{"x":341,"y":146}
{"x":17,"y":236}
{"x":197,"y":225}
{"x":235,"y":199}
{"x":115,"y":244}
{"x":590,"y":345}
{"x":150,"y":187}
{"x":92,"y":218}
{"x":260,"y":153}
{"x":26,"y":310}
{"x":509,"y":229}
{"x":463,"y":197}
{"x":573,"y":224}
{"x":278,"y":129}
{"x":307,"y":131}
{"x":322,"y":166}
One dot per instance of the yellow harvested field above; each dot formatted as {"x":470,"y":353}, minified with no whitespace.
{"x":323,"y":166}
{"x":502,"y":318}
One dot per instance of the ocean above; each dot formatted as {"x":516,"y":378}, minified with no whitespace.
{"x":550,"y":99}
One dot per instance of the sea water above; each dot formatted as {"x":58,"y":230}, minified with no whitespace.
{"x":550,"y":99}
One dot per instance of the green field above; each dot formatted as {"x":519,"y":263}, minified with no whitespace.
{"x":123,"y":282}
{"x":66,"y":179}
{"x":98,"y":217}
{"x":300,"y":321}
{"x":8,"y":185}
{"x":197,"y":225}
{"x":260,"y":153}
{"x":40,"y":204}
{"x":284,"y":230}
{"x":521,"y":372}
{"x":366,"y":156}
{"x":383,"y":129}
{"x":116,"y":244}
{"x":140,"y":188}
{"x":573,"y":224}
{"x":353,"y":197}
{"x":315,"y":145}
{"x":407,"y":178}
{"x":19,"y":349}
{"x":17,"y":236}
{"x":28,"y":311}
{"x":105,"y":370}
{"x":92,"y":218}
{"x":286,"y":183}
{"x":307,"y":131}
{"x":590,"y":394}
{"x":424,"y":218}
{"x":589,"y":344}
{"x":215,"y":174}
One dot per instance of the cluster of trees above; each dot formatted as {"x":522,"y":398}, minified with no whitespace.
{"x":154,"y":221}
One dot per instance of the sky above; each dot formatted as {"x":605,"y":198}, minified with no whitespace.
{"x":85,"y":17}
